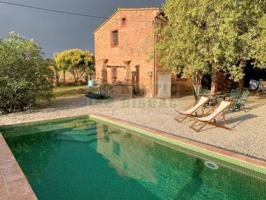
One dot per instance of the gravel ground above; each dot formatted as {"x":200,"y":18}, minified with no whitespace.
{"x":248,"y":135}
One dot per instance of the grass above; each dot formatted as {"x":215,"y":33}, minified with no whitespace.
{"x":66,"y":91}
{"x":60,"y":92}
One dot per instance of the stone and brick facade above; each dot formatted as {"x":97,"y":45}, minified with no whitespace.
{"x":125,"y":50}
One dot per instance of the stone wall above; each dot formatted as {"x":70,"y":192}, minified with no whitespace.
{"x":135,"y":44}
{"x":117,"y":91}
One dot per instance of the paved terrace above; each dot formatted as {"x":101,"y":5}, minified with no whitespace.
{"x":13,"y":183}
{"x":247,"y":137}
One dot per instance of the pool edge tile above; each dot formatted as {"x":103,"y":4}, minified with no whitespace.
{"x":15,"y":184}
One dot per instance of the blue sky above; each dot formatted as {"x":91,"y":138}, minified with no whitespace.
{"x":55,"y":32}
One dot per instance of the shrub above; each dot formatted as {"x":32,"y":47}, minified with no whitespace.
{"x":24,"y":74}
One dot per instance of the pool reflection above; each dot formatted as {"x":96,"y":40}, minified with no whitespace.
{"x":170,"y":174}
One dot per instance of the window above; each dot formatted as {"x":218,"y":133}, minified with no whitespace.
{"x":115,"y":38}
{"x":123,"y":21}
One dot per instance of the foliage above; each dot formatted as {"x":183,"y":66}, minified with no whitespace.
{"x":91,"y":67}
{"x":24,"y":75}
{"x":207,"y":36}
{"x":260,"y":45}
{"x":74,"y":60}
{"x":51,"y":64}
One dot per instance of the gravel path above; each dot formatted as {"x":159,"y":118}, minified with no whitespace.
{"x":248,"y":135}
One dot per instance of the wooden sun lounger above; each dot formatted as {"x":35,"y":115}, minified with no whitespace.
{"x":211,"y":118}
{"x":192,"y":111}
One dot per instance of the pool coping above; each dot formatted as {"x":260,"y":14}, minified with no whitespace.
{"x":13,"y":183}
{"x":205,"y":149}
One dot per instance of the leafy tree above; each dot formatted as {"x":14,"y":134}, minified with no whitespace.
{"x":208,"y":36}
{"x":60,"y":65}
{"x":91,"y":67}
{"x":24,"y":75}
{"x":259,"y":44}
{"x":51,"y":64}
{"x":74,"y":60}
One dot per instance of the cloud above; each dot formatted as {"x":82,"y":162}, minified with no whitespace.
{"x":54,"y":31}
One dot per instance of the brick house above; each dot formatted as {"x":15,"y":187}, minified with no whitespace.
{"x":125,"y":52}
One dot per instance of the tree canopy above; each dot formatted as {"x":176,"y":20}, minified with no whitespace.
{"x":24,"y":75}
{"x":206,"y":36}
{"x":260,"y":45}
{"x":76,"y":61}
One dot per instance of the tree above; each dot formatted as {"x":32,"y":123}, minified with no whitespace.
{"x":74,"y":60}
{"x":91,"y":67}
{"x":60,"y":66}
{"x":24,"y":76}
{"x":259,"y":50}
{"x":51,"y":64}
{"x":208,"y":36}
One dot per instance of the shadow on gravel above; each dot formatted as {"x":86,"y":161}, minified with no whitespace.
{"x":254,"y":106}
{"x":238,"y":120}
{"x":241,"y":119}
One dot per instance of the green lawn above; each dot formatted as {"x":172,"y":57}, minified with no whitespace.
{"x":65,"y":91}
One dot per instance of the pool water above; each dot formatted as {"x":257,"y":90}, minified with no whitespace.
{"x":82,"y":159}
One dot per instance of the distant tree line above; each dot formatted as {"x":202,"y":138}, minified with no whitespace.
{"x":80,"y":63}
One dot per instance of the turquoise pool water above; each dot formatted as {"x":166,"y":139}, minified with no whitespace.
{"x":83,"y":159}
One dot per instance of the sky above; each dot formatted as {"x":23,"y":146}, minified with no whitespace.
{"x":56,"y":32}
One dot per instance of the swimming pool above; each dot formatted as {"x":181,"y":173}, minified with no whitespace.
{"x":81,"y":158}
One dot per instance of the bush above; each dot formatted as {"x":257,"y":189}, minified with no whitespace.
{"x":24,"y":75}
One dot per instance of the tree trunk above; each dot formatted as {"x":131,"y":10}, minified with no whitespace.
{"x":241,"y":82}
{"x":195,"y":90}
{"x":64,"y":75}
{"x":86,"y":76}
{"x":56,"y":78}
{"x":241,"y":85}
{"x":75,"y":76}
{"x":215,"y":81}
{"x":90,"y":74}
{"x":196,"y":83}
{"x":81,"y":75}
